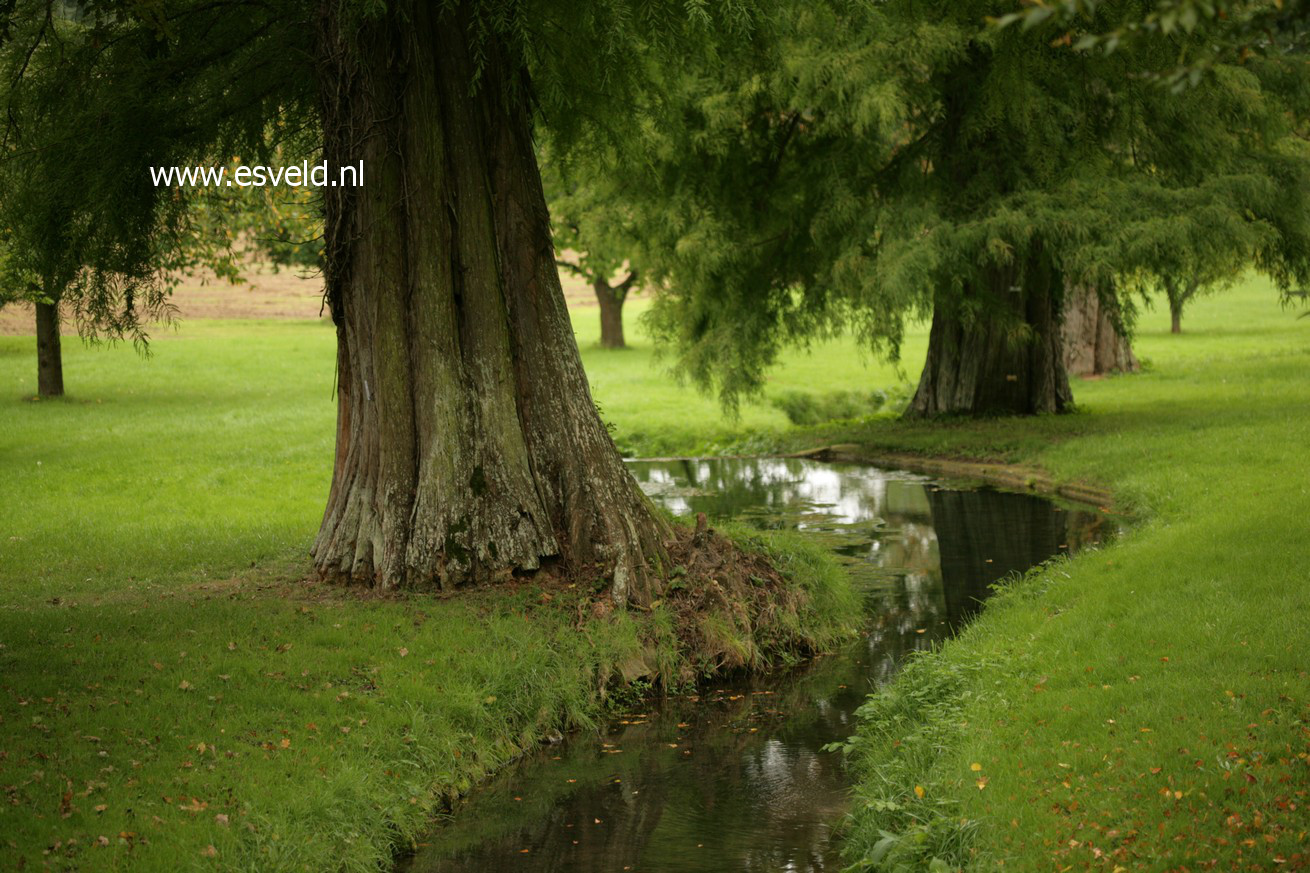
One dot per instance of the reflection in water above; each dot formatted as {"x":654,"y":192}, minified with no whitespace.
{"x":734,"y":779}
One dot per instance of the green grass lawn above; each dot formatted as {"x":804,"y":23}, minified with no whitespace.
{"x":172,"y":696}
{"x":167,"y":685}
{"x":1146,"y":706}
{"x":654,"y":416}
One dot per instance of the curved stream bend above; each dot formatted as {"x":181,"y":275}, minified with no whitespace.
{"x":734,"y":779}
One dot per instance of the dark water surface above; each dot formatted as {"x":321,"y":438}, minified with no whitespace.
{"x":734,"y":779}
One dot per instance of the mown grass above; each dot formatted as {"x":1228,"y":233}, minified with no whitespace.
{"x":172,"y":694}
{"x":654,"y":416}
{"x":155,"y":523}
{"x":1146,"y":706}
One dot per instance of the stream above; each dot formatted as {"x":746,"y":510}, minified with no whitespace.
{"x":734,"y":778}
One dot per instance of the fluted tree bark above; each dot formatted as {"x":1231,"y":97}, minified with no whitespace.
{"x":1003,"y":357}
{"x":1095,"y":342}
{"x":468,"y":445}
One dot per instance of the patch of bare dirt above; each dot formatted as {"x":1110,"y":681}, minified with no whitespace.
{"x":266,"y":294}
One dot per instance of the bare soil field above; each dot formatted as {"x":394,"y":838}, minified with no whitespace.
{"x":287,"y":293}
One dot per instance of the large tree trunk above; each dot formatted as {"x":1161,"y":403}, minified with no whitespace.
{"x":1175,"y":317}
{"x":468,"y":445}
{"x":611,"y":314}
{"x":49,"y":356}
{"x":1094,"y":342}
{"x":1003,"y":360}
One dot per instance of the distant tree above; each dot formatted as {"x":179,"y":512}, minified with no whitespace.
{"x":17,"y":284}
{"x":593,"y":241}
{"x":1179,"y":294}
{"x":1182,"y":289}
{"x":84,"y":235}
{"x":105,"y":303}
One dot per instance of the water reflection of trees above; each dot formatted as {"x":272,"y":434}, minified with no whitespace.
{"x":984,"y":536}
{"x":786,"y":488}
{"x":732,"y":780}
{"x":736,"y":780}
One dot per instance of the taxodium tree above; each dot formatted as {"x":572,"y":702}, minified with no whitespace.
{"x":468,"y":446}
{"x":905,"y":158}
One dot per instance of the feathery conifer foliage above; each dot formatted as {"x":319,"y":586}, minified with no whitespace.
{"x":876,"y":162}
{"x":1232,"y":30}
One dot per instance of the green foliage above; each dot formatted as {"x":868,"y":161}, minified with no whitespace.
{"x":867,"y":163}
{"x":1232,"y":30}
{"x":97,"y":93}
{"x":279,"y":225}
{"x":594,"y":238}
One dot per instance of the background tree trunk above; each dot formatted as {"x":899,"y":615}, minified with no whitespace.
{"x":49,"y":355}
{"x":1005,"y":360}
{"x":1175,"y":317}
{"x":468,"y":445}
{"x":1093,"y":342}
{"x":611,"y":314}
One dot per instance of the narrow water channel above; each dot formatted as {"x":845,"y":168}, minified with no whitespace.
{"x":734,"y":778}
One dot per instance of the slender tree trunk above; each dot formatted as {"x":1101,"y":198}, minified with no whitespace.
{"x":1092,"y":333}
{"x":1005,"y":360}
{"x":611,"y":314}
{"x":468,"y":445}
{"x":49,"y":356}
{"x":1178,"y":297}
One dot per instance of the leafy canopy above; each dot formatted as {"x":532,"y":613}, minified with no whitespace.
{"x":96,"y":92}
{"x":867,"y":163}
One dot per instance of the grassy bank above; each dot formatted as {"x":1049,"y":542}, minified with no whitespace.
{"x":167,"y":684}
{"x":173,"y":696}
{"x":1146,"y":706}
